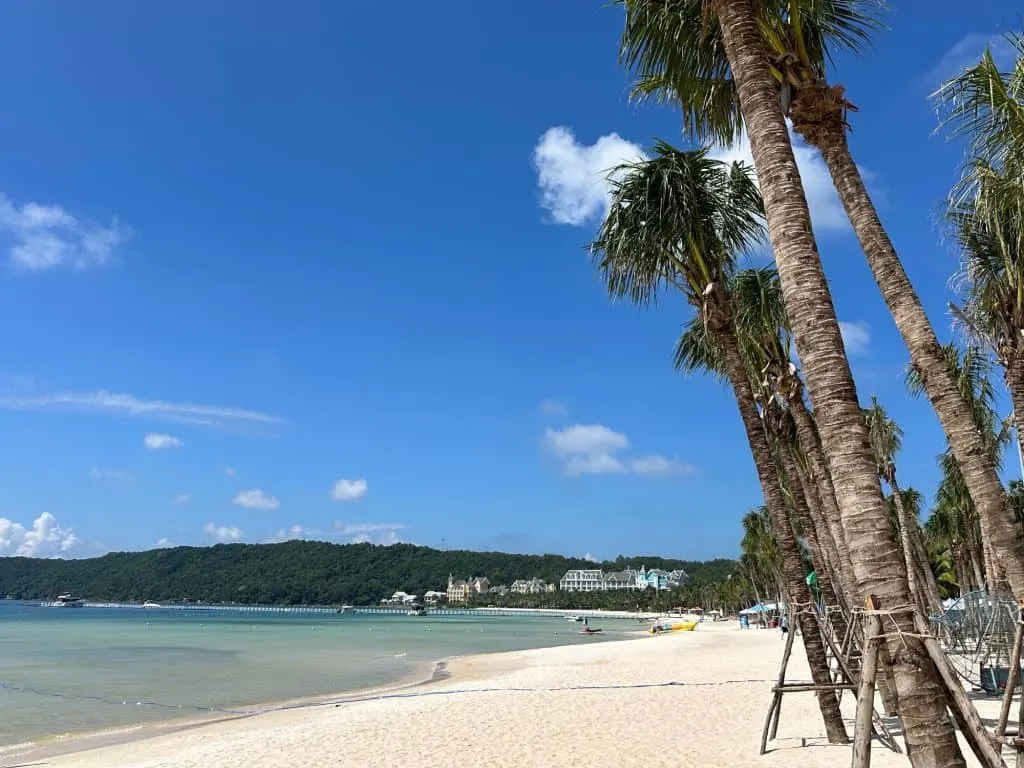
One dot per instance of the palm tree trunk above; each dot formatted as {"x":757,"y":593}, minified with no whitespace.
{"x":973,"y":456}
{"x":916,"y":567}
{"x":931,"y":585}
{"x":830,"y":554}
{"x":826,"y":494}
{"x":930,"y":737}
{"x":799,"y":594}
{"x":822,"y":569}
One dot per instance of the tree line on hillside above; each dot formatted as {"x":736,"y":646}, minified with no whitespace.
{"x":296,"y":572}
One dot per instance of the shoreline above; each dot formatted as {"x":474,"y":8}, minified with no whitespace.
{"x":427,"y":673}
{"x":686,"y":698}
{"x":64,"y":744}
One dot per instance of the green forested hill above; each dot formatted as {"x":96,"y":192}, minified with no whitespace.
{"x":295,"y":572}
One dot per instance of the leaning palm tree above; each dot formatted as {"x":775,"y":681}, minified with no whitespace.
{"x":763,"y":327}
{"x":886,"y":441}
{"x":798,"y":40}
{"x":680,"y":221}
{"x":971,"y":369}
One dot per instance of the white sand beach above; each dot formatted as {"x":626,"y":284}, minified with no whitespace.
{"x":566,"y":706}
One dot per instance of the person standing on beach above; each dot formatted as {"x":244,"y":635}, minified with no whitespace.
{"x":784,"y":625}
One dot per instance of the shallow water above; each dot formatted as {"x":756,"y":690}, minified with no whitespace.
{"x":79,"y":670}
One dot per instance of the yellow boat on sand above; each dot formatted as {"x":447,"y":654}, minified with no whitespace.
{"x":676,"y":626}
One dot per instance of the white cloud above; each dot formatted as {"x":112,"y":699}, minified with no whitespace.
{"x":230,"y":471}
{"x":117,"y":475}
{"x":856,"y":337}
{"x":102,"y":401}
{"x":574,"y":184}
{"x":46,"y":236}
{"x":182,"y":498}
{"x":45,"y":537}
{"x":347,"y":528}
{"x":223,"y":532}
{"x":553,"y":408}
{"x":359,"y":533}
{"x":966,"y":52}
{"x":590,"y":557}
{"x":163,"y":543}
{"x":592,"y":449}
{"x":157,"y":441}
{"x":255,"y":499}
{"x":585,"y":439}
{"x":573,"y":177}
{"x":654,"y":464}
{"x":827,"y":214}
{"x":349,"y":490}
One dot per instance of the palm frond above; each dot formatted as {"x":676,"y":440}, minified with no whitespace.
{"x":680,"y":219}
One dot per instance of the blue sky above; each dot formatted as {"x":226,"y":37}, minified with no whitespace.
{"x":318,"y":271}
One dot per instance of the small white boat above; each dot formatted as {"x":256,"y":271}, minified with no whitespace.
{"x":574,"y":618}
{"x":149,"y":604}
{"x":419,"y":610}
{"x":347,"y":609}
{"x":67,"y":601}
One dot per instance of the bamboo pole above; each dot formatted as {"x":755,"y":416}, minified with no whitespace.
{"x":776,"y":705}
{"x":863,"y":724}
{"x":1011,"y":680}
{"x":984,"y":746}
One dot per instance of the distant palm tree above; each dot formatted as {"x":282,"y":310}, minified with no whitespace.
{"x":886,"y":441}
{"x":680,"y":221}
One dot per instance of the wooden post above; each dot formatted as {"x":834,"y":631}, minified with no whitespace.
{"x":771,"y":722}
{"x":1020,"y":731}
{"x":863,"y":726}
{"x":985,"y":748}
{"x":1011,"y":680}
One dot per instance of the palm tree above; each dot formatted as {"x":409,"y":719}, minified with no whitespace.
{"x":886,"y":442}
{"x":799,"y":37}
{"x":763,"y":337}
{"x":681,"y":220}
{"x":971,"y":369}
{"x":739,"y":52}
{"x":764,"y":330}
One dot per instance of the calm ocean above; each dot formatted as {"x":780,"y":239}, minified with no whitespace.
{"x":79,"y":670}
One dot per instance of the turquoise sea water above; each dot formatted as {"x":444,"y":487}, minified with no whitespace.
{"x":80,"y":670}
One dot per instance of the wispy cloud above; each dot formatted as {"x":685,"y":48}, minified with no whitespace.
{"x":117,"y":475}
{"x":553,"y":408}
{"x":102,"y":401}
{"x":222,"y":532}
{"x":44,"y":237}
{"x":353,"y":533}
{"x":856,"y":337}
{"x":230,"y":471}
{"x":349,"y":490}
{"x":255,"y":499}
{"x":44,"y":537}
{"x":966,"y":52}
{"x":593,"y":449}
{"x":182,"y":498}
{"x":158,"y":441}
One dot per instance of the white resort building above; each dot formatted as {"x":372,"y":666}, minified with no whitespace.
{"x":582,"y":580}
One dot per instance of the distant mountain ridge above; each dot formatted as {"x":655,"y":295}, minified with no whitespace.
{"x":298,"y":572}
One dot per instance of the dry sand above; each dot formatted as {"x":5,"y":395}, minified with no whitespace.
{"x":517,"y":709}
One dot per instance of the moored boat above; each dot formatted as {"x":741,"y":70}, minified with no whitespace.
{"x":67,"y":601}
